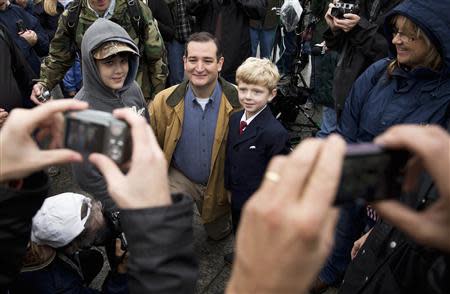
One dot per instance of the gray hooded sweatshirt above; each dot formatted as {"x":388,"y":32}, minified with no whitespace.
{"x":103,"y":98}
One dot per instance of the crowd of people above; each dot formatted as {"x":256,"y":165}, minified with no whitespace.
{"x":180,"y":73}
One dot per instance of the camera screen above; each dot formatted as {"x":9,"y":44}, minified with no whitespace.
{"x":84,"y":137}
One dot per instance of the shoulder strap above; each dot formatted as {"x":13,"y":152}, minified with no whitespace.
{"x":139,"y":24}
{"x":73,"y":16}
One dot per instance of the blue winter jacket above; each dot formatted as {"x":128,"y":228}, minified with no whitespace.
{"x":9,"y":18}
{"x":420,"y":96}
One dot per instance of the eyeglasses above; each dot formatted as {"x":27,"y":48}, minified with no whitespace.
{"x":402,"y":36}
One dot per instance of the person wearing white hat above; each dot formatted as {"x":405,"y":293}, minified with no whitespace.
{"x":60,"y":257}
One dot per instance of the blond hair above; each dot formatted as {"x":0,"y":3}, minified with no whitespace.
{"x":432,"y":60}
{"x":257,"y":71}
{"x":50,"y":7}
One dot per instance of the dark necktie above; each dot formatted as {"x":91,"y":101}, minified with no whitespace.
{"x":242,"y":126}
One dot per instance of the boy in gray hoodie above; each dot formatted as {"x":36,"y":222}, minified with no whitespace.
{"x":110,"y":61}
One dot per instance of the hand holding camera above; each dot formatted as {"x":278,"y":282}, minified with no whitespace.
{"x":30,"y":36}
{"x":431,"y":146}
{"x":342,"y":15}
{"x":93,"y":131}
{"x":146,"y":183}
{"x":39,"y":94}
{"x":20,"y":154}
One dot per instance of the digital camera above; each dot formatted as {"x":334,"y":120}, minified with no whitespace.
{"x":21,"y":27}
{"x":89,"y":131}
{"x":113,"y":219}
{"x":371,"y":173}
{"x":45,"y":96}
{"x":342,"y":8}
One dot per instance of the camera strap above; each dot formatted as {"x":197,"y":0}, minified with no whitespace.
{"x":374,"y":10}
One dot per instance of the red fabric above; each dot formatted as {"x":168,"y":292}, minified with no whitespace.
{"x":242,"y":126}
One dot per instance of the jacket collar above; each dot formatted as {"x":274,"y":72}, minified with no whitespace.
{"x":228,"y":89}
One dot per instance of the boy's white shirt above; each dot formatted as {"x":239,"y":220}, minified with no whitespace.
{"x":249,"y":120}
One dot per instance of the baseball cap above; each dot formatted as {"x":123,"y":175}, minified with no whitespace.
{"x":112,"y":48}
{"x":59,"y":220}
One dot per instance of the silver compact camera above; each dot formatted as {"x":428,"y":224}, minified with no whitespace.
{"x":44,"y":97}
{"x":89,"y":131}
{"x":342,"y":8}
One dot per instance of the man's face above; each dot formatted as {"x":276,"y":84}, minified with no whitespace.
{"x":201,"y":65}
{"x":100,"y":6}
{"x":3,"y":5}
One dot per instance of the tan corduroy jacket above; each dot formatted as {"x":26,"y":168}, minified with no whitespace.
{"x":166,"y":118}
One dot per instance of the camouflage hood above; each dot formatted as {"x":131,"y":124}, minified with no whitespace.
{"x":94,"y":91}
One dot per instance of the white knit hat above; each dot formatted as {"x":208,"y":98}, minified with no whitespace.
{"x":59,"y":220}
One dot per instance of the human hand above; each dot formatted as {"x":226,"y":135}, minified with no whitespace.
{"x":3,"y":116}
{"x":346,"y":24}
{"x":287,"y":226}
{"x":329,"y":18}
{"x":359,"y":243}
{"x":431,"y":147}
{"x":30,"y":36}
{"x":122,"y":256}
{"x":146,"y":183}
{"x":20,"y":154}
{"x":37,"y":91}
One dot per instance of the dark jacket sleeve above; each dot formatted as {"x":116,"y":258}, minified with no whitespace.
{"x":161,"y":13}
{"x":17,"y":208}
{"x":161,"y":251}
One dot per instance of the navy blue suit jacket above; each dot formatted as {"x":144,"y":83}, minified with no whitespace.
{"x":248,"y":155}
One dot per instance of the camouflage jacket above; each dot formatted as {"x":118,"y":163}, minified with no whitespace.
{"x":152,"y":64}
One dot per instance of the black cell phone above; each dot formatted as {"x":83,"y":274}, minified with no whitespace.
{"x":371,"y":172}
{"x":21,"y":27}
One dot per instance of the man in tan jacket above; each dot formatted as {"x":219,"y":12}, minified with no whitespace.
{"x":190,"y":121}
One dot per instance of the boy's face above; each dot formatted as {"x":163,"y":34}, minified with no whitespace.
{"x":113,"y":70}
{"x":254,"y":97}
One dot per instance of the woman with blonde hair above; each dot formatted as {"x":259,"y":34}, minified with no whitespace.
{"x":47,"y":12}
{"x":410,"y":87}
